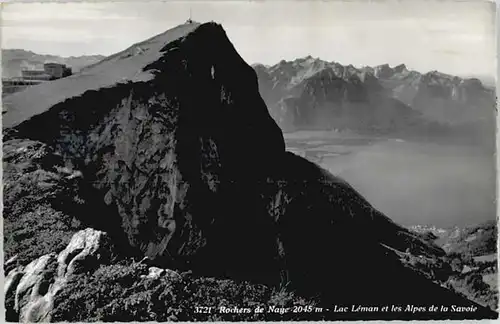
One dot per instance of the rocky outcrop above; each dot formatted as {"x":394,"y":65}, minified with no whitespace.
{"x":34,"y":295}
{"x":175,"y":140}
{"x":155,"y":273}
{"x":86,"y":250}
{"x":35,"y":286}
{"x":176,"y":167}
{"x":45,"y":202}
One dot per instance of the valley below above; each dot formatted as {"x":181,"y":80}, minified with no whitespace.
{"x":444,"y":191}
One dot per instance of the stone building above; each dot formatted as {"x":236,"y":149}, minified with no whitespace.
{"x":51,"y":71}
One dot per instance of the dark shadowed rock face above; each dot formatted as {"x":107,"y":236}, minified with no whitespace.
{"x":196,"y":170}
{"x":178,"y":156}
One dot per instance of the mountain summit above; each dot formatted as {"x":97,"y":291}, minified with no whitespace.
{"x":170,"y":149}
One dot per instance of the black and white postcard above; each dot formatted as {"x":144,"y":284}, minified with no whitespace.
{"x":261,"y":160}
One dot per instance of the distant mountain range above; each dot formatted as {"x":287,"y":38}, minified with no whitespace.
{"x":16,"y":60}
{"x":474,"y":240}
{"x":310,"y":93}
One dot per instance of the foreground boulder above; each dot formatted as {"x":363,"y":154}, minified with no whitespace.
{"x":174,"y":138}
{"x":35,"y":286}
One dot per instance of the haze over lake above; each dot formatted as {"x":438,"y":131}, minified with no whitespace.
{"x":412,"y":182}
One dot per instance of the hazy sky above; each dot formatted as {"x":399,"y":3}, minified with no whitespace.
{"x":452,"y":37}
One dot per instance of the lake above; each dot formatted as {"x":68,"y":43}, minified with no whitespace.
{"x":411,"y":182}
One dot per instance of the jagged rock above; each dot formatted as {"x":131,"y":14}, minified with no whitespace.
{"x":10,"y":264}
{"x":33,"y":298}
{"x":86,"y":250}
{"x":37,"y":284}
{"x":12,"y":280}
{"x":11,"y":260}
{"x":155,"y":273}
{"x":10,"y":284}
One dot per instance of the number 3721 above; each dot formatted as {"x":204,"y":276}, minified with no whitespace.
{"x":202,"y":310}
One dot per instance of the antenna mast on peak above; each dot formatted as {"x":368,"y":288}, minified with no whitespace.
{"x":190,"y":21}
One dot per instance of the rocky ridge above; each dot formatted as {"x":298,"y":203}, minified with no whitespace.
{"x":310,"y":93}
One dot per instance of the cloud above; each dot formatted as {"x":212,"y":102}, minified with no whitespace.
{"x":52,"y":34}
{"x":42,"y":12}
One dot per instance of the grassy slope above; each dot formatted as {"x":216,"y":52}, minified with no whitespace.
{"x":37,"y":188}
{"x":470,"y":264}
{"x":120,"y":292}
